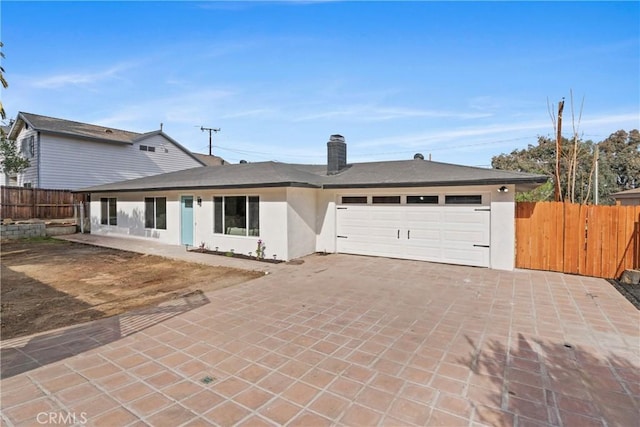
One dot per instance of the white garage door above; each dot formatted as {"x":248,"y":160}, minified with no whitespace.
{"x":439,"y":233}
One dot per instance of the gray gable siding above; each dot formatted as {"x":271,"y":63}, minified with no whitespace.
{"x":74,"y":163}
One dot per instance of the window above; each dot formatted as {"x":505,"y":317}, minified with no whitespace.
{"x":217,"y":215}
{"x":108,"y":211}
{"x":155,"y":213}
{"x":143,"y":148}
{"x":429,"y":200}
{"x":254,"y":216}
{"x":347,"y":200}
{"x":28,"y":146}
{"x":463,"y":200}
{"x":236,"y":215}
{"x":151,"y":149}
{"x":389,"y":200}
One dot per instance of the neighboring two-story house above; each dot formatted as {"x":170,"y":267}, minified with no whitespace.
{"x":69,"y":155}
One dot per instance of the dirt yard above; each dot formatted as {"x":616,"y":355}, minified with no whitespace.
{"x":51,"y":283}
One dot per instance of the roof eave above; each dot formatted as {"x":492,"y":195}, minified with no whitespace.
{"x":199,"y":187}
{"x":533,"y":182}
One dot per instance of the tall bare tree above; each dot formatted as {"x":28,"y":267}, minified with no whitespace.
{"x":4,"y":83}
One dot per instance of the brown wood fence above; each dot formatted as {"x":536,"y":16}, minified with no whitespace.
{"x":19,"y":203}
{"x":598,"y":241}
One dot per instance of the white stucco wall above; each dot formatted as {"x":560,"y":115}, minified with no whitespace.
{"x":293,"y":221}
{"x":273,"y":226}
{"x":130,"y":216}
{"x":503,"y":228}
{"x":301,"y":221}
{"x":326,"y":221}
{"x":273,"y":220}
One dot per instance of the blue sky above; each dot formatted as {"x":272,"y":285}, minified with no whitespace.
{"x":460,"y":81}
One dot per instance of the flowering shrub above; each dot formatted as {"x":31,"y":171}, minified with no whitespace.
{"x":260,"y":249}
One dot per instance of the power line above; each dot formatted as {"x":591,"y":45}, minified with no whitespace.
{"x":271,"y":155}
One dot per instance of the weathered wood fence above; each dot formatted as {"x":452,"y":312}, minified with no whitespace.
{"x":20,"y":203}
{"x":598,"y":241}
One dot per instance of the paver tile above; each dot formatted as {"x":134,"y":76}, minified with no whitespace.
{"x":329,"y":405}
{"x":306,"y":419}
{"x":172,"y":416}
{"x":410,"y":411}
{"x":227,"y":414}
{"x":300,"y":393}
{"x":149,"y":404}
{"x":118,"y":416}
{"x":357,"y":341}
{"x":253,"y":397}
{"x":280,"y":411}
{"x":202,"y":402}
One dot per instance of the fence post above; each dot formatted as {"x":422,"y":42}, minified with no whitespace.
{"x":34,"y":203}
{"x":82,"y":217}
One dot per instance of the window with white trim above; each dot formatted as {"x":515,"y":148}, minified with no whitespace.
{"x":155,"y":213}
{"x":236,"y":215}
{"x":108,"y":211}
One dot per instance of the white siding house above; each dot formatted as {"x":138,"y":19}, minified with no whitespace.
{"x":70,"y":155}
{"x":413,"y":209}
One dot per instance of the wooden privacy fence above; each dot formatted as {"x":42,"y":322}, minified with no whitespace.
{"x":598,"y":241}
{"x":19,"y":203}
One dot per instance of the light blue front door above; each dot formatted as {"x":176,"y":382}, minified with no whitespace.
{"x":186,"y":218}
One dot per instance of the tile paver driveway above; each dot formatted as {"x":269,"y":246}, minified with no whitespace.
{"x":348,"y":340}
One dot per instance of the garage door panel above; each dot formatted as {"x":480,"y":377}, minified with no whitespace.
{"x":476,"y":257}
{"x":466,"y":236}
{"x":430,"y":233}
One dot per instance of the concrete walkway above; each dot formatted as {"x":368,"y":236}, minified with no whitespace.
{"x":348,"y":340}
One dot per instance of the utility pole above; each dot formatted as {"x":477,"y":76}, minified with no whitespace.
{"x":210,"y":130}
{"x":558,"y":191}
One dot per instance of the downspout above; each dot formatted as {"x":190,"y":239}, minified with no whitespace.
{"x":38,"y":151}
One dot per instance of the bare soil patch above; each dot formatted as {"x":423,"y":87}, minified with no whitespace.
{"x":52,"y":283}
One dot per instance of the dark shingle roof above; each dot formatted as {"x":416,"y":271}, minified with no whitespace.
{"x":209,"y":160}
{"x":409,"y":173}
{"x":71,"y":128}
{"x":246,"y":175}
{"x":419,"y":173}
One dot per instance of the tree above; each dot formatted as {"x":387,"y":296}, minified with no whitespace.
{"x":621,"y":150}
{"x":12,"y":162}
{"x":619,"y":166}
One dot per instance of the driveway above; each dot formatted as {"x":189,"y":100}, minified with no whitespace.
{"x":346,"y":340}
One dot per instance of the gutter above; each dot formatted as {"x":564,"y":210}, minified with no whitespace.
{"x":39,"y":184}
{"x":492,"y":181}
{"x":199,"y":187}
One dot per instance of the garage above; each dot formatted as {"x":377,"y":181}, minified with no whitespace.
{"x":447,"y":228}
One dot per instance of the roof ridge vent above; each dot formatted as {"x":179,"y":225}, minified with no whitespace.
{"x":418,"y":156}
{"x":108,"y":131}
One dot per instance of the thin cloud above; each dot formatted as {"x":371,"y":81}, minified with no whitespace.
{"x":81,"y":79}
{"x":369,"y":113}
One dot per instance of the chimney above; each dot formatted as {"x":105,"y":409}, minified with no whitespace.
{"x":336,"y":154}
